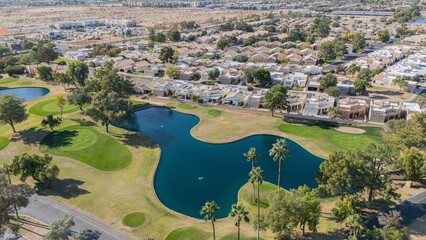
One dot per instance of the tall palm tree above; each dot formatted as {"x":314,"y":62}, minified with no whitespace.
{"x":252,"y":156}
{"x":239,"y":211}
{"x":279,"y":152}
{"x":60,"y":102}
{"x":208,"y":210}
{"x":256,"y":176}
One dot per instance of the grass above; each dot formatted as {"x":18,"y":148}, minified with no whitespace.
{"x":4,"y":141}
{"x":87,"y":145}
{"x":214,"y":113}
{"x":8,"y":80}
{"x":134,"y":219}
{"x":246,"y":194}
{"x":188,"y":233}
{"x":25,"y":83}
{"x":331,"y":139}
{"x":138,"y":104}
{"x":67,"y":61}
{"x":186,"y":106}
{"x":48,"y":107}
{"x":234,"y":236}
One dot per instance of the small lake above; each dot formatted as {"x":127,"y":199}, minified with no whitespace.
{"x":191,"y":172}
{"x":421,"y":19}
{"x":28,"y":93}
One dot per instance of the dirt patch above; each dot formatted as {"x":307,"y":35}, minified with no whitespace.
{"x":350,"y":130}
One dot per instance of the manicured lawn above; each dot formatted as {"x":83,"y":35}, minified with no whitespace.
{"x":87,"y":145}
{"x":246,"y":194}
{"x":214,"y":113}
{"x":234,"y":236}
{"x":186,"y":106}
{"x":331,"y":139}
{"x":134,"y":219}
{"x":188,"y":233}
{"x":136,"y":104}
{"x":48,"y":107}
{"x":25,"y":83}
{"x":4,"y":141}
{"x":7,"y":80}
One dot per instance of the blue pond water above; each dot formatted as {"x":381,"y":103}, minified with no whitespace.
{"x":191,"y":172}
{"x":28,"y":93}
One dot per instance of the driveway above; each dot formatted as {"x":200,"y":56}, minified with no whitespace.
{"x":47,"y":211}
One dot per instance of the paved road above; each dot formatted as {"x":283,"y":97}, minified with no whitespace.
{"x":47,"y":211}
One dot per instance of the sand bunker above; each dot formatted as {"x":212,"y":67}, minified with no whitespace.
{"x":350,"y":130}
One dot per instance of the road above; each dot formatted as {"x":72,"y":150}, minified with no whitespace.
{"x":47,"y":211}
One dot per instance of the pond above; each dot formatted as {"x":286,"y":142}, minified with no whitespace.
{"x":28,"y":93}
{"x":191,"y":172}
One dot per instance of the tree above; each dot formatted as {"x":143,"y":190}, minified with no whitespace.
{"x":358,"y":42}
{"x":400,"y":82}
{"x":334,"y":113}
{"x":256,"y":177}
{"x":173,"y":72}
{"x":414,"y":164}
{"x":166,"y":54}
{"x":279,"y":152}
{"x":353,"y":68}
{"x":151,"y":36}
{"x":344,"y":208}
{"x":341,"y":69}
{"x":62,"y":78}
{"x":79,"y":97}
{"x":44,"y":73}
{"x":160,"y":37}
{"x":60,"y":103}
{"x":421,"y":99}
{"x":43,"y":51}
{"x":252,"y":156}
{"x":12,"y":70}
{"x":383,"y":35}
{"x":276,"y":98}
{"x":36,"y":166}
{"x":355,"y":224}
{"x":174,"y":35}
{"x":12,"y":197}
{"x":249,"y":74}
{"x":109,"y":107}
{"x":107,"y":79}
{"x":309,"y":208}
{"x":60,"y":229}
{"x":78,"y":71}
{"x":326,"y":51}
{"x":250,"y":41}
{"x":208,"y":210}
{"x":361,"y":85}
{"x":4,"y":51}
{"x":241,"y":58}
{"x":238,"y":211}
{"x":297,"y":33}
{"x":263,"y":76}
{"x":12,"y":110}
{"x":333,"y":91}
{"x":329,"y":80}
{"x":213,"y":73}
{"x":50,"y":122}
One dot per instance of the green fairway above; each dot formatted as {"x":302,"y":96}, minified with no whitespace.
{"x":185,"y":106}
{"x":25,"y":83}
{"x":4,"y":142}
{"x":188,"y":233}
{"x":214,"y":113}
{"x":87,"y":145}
{"x":134,"y":219}
{"x":7,"y":80}
{"x":331,"y":139}
{"x":136,"y":104}
{"x":246,"y":194}
{"x":48,"y":107}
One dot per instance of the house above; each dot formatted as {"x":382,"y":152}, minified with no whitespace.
{"x":382,"y":111}
{"x":259,"y":57}
{"x":353,"y":108}
{"x":141,"y":66}
{"x":295,"y":101}
{"x":234,"y":98}
{"x":318,"y":105}
{"x":309,"y":60}
{"x":231,"y":76}
{"x":230,"y":55}
{"x":125,"y":65}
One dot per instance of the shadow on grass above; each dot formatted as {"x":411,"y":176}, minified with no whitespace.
{"x":336,"y":234}
{"x":59,"y":139}
{"x":66,"y":188}
{"x":84,"y":122}
{"x":137,"y":140}
{"x":31,"y":136}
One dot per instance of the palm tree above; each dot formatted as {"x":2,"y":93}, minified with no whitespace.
{"x":279,"y":152}
{"x":60,"y":102}
{"x":354,"y":223}
{"x":239,"y":211}
{"x":334,"y":113}
{"x":252,"y":156}
{"x":208,"y":210}
{"x":256,"y":176}
{"x":51,"y":122}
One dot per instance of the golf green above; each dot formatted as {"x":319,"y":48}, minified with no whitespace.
{"x":4,"y":142}
{"x":48,"y":107}
{"x":89,"y":146}
{"x":134,"y":219}
{"x":7,"y":80}
{"x":188,"y":233}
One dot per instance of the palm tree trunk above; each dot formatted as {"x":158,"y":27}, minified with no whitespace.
{"x":252,"y":164}
{"x":214,"y":232}
{"x":238,"y":231}
{"x":258,"y":210}
{"x":61,"y":112}
{"x":254,"y":194}
{"x":279,"y":174}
